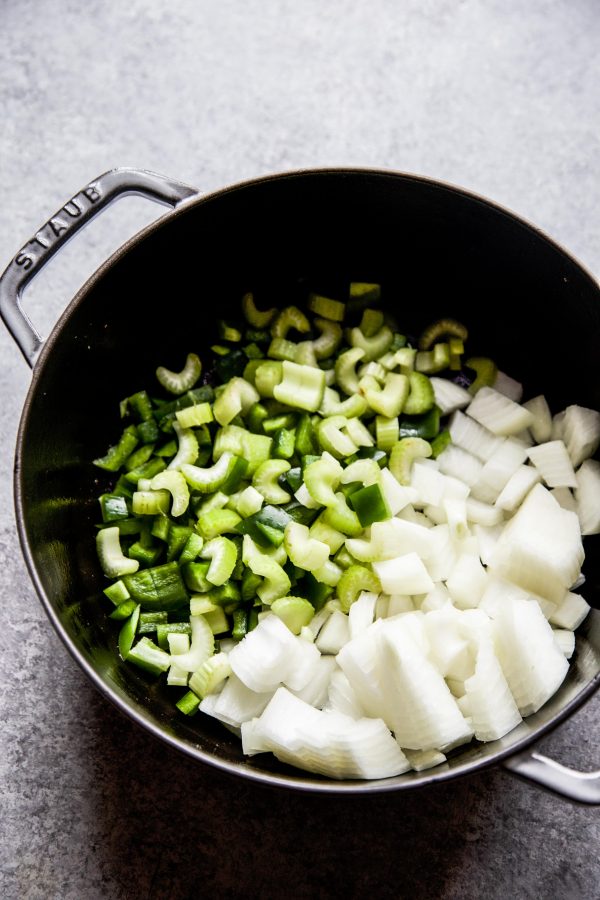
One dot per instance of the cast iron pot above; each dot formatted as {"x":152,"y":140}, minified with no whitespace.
{"x":437,"y":251}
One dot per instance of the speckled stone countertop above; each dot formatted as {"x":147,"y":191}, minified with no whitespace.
{"x":499,"y":96}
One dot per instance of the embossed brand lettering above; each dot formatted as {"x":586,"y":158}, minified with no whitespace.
{"x":91,"y":193}
{"x":72,"y":208}
{"x":24,"y":260}
{"x":57,"y":226}
{"x":40,"y":240}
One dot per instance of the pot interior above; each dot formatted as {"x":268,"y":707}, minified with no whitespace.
{"x":435,"y":250}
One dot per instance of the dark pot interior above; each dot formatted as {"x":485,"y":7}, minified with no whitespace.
{"x":436,"y":252}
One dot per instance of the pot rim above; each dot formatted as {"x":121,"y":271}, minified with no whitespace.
{"x":137,"y":713}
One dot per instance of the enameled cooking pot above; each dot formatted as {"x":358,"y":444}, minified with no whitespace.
{"x":437,"y":251}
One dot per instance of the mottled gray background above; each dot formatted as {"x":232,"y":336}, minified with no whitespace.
{"x":498,"y":96}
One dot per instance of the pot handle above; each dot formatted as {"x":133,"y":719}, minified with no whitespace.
{"x":583,"y":787}
{"x":61,"y":227}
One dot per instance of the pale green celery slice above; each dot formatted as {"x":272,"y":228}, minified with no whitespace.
{"x":321,"y":478}
{"x":238,"y":397}
{"x":223,"y":556}
{"x":265,"y":482}
{"x":266,"y":376}
{"x":359,"y":433}
{"x":254,"y":448}
{"x":329,"y":573}
{"x":200,"y":605}
{"x":276,"y":582}
{"x":366,"y":471}
{"x":256,"y":317}
{"x":333,"y":440}
{"x":175,"y":484}
{"x":281,"y":348}
{"x":371,"y":322}
{"x":218,"y":500}
{"x":249,"y":502}
{"x":203,"y":645}
{"x":373,"y":346}
{"x":345,"y":370}
{"x":187,"y":451}
{"x":374,"y":369}
{"x":354,"y":580}
{"x":150,"y":503}
{"x":342,"y":517}
{"x":321,"y":531}
{"x":304,"y":551}
{"x":193,"y":416}
{"x":114,"y":563}
{"x":305,"y":354}
{"x":301,"y":387}
{"x":390,"y":400}
{"x":349,"y":408}
{"x":295,"y":612}
{"x":329,"y":339}
{"x":290,"y":317}
{"x":403,"y":455}
{"x":326,"y":307}
{"x":217,"y":521}
{"x":421,"y":397}
{"x":210,"y":675}
{"x":405,"y":358}
{"x":180,"y":382}
{"x":387,"y":432}
{"x":209,"y":479}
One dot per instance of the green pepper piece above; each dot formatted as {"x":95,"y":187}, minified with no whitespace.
{"x":117,"y":454}
{"x":194,"y":575}
{"x":177,"y":539}
{"x":369,"y":505}
{"x":123,"y":610}
{"x":148,"y":431}
{"x":114,"y":507}
{"x":160,"y":587}
{"x":230,"y":365}
{"x":250,"y":582}
{"x":240,"y":624}
{"x":293,"y":477}
{"x":127,"y":633}
{"x":188,"y":704}
{"x":425,"y":426}
{"x":283,"y":444}
{"x":440,"y":442}
{"x":237,"y":472}
{"x":164,"y":629}
{"x":146,"y":556}
{"x":305,"y":442}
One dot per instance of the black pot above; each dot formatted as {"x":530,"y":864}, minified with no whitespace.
{"x":436,"y":250}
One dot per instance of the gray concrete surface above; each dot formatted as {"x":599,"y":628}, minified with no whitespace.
{"x":498,"y":96}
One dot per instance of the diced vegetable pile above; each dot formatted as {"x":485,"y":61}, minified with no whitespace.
{"x":356,"y":551}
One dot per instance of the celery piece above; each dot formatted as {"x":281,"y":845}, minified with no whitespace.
{"x":253,"y":351}
{"x":440,"y":442}
{"x":290,"y":317}
{"x":180,"y":382}
{"x":161,"y":524}
{"x":345,"y":370}
{"x":442,"y":328}
{"x":188,"y":704}
{"x":146,"y":655}
{"x":387,"y":432}
{"x":114,"y":563}
{"x":332,"y":438}
{"x":303,"y":550}
{"x":265,"y":480}
{"x":255,"y":448}
{"x":354,"y":580}
{"x":301,"y":387}
{"x":256,"y":317}
{"x":281,"y":348}
{"x":362,"y":293}
{"x":421,"y":397}
{"x":374,"y":346}
{"x":342,"y":518}
{"x":216,"y":522}
{"x":275,"y":423}
{"x":222,"y":554}
{"x":187,"y":446}
{"x":210,"y":479}
{"x":237,"y":472}
{"x":214,"y":670}
{"x":194,"y":397}
{"x":404,"y":453}
{"x":217,"y":621}
{"x":175,"y":483}
{"x":267,"y":376}
{"x":390,"y":400}
{"x":229,"y":332}
{"x":237,"y":398}
{"x":329,"y":339}
{"x":326,"y":307}
{"x":193,"y":416}
{"x":485,"y":370}
{"x":164,"y":629}
{"x":117,"y":593}
{"x":295,"y":612}
{"x":322,"y":478}
{"x":371,"y":322}
{"x":250,"y":501}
